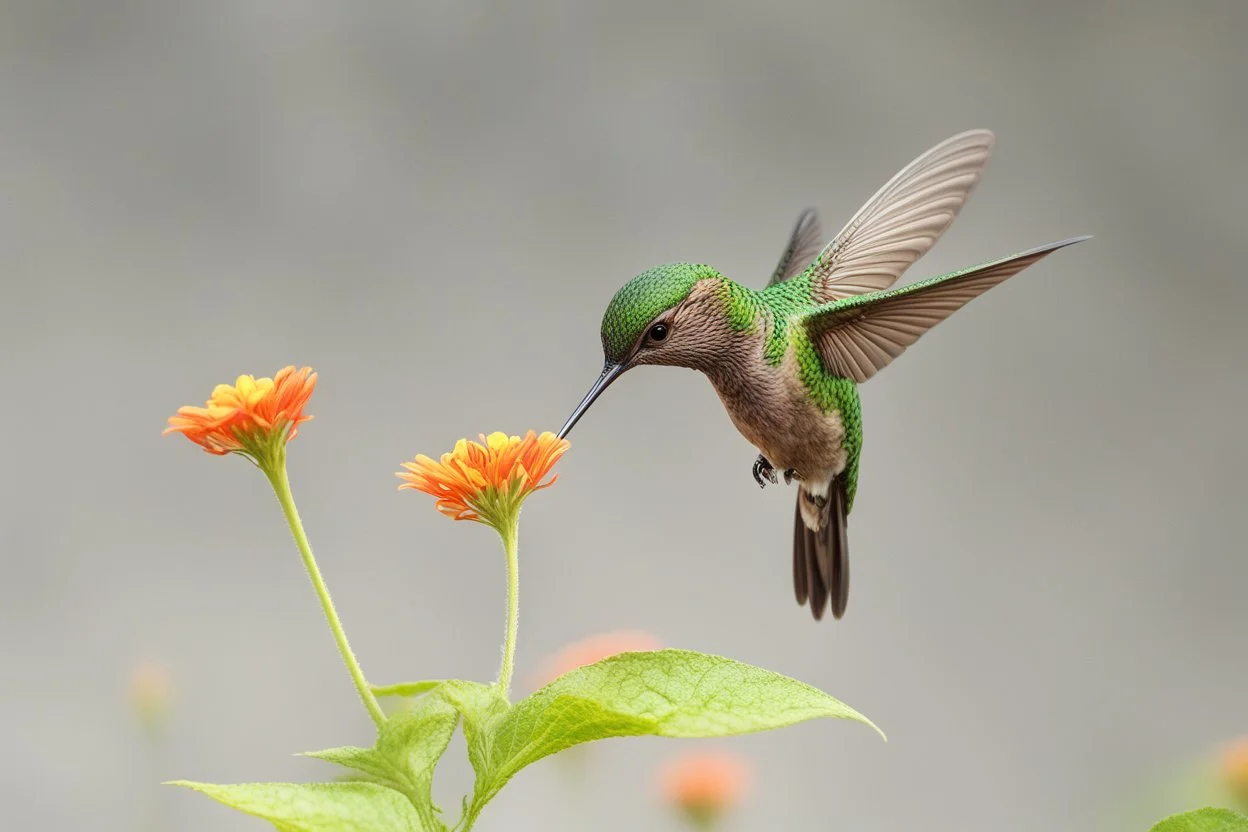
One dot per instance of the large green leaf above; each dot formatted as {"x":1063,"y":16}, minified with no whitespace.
{"x":1204,"y":820}
{"x":318,"y":807}
{"x":669,"y":693}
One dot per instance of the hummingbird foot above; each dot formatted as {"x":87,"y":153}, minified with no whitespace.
{"x":789,"y":474}
{"x":763,"y":468}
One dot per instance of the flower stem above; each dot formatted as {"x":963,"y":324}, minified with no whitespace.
{"x":281,"y":487}
{"x":513,"y":605}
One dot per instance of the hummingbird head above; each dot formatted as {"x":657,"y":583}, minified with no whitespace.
{"x":658,"y":317}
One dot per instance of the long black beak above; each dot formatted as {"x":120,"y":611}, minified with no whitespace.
{"x":609,"y":374}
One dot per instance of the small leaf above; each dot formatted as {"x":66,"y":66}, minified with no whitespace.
{"x":406,"y":689}
{"x":364,"y":760}
{"x":482,"y":707}
{"x":670,"y":693}
{"x":408,"y":749}
{"x":318,"y":807}
{"x":415,"y":740}
{"x":1204,"y":820}
{"x":412,"y":743}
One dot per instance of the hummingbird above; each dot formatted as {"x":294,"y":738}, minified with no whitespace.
{"x":787,"y":360}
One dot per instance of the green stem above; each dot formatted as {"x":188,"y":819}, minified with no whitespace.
{"x":281,"y":487}
{"x":468,"y":820}
{"x":513,"y":606}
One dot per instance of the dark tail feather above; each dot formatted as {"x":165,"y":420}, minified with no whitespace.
{"x":814,"y":576}
{"x":837,"y":541}
{"x":821,"y":558}
{"x":800,"y":586}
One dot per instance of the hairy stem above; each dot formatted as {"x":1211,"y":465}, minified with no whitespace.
{"x":513,"y":606}
{"x":281,"y":487}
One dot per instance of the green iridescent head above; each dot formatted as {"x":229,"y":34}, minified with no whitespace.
{"x":640,"y":300}
{"x":630,"y":332}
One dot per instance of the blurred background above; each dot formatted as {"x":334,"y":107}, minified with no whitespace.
{"x":431,"y":204}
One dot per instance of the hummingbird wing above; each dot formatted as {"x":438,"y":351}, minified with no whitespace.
{"x":804,"y":243}
{"x":902,"y":221}
{"x":858,"y":336}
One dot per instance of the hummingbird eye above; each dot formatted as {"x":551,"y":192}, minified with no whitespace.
{"x":658,"y":332}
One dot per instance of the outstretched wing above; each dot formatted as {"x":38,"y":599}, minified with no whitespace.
{"x":858,"y":336}
{"x":903,"y":220}
{"x":804,"y":243}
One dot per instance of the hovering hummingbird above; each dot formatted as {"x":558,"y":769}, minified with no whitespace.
{"x":787,"y":360}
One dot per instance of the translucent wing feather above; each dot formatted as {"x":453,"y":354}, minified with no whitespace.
{"x":859,"y":336}
{"x":804,"y":243}
{"x":903,"y":220}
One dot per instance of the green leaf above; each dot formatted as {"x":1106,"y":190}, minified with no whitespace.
{"x":413,"y":742}
{"x":669,"y":693}
{"x":364,"y":760}
{"x":482,"y":707}
{"x":1204,"y":820}
{"x":406,"y":689}
{"x":318,"y":807}
{"x":408,"y":749}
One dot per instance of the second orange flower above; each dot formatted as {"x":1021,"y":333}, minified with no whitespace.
{"x":252,"y":416}
{"x":486,"y":481}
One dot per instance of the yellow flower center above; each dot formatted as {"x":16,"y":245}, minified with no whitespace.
{"x":247,"y":391}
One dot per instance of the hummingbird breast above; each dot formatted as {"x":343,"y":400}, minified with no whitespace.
{"x":774,"y":411}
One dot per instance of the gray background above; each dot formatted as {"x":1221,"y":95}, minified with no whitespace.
{"x":431,"y":204}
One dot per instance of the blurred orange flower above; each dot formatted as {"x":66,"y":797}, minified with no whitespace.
{"x":1235,"y":768}
{"x":705,"y":784}
{"x":594,"y":649}
{"x":249,"y":416}
{"x":486,"y":481}
{"x":151,"y":691}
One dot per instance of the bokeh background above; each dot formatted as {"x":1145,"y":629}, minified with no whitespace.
{"x":431,"y":203}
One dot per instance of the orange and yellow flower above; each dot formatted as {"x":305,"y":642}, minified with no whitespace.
{"x":252,"y":416}
{"x":705,"y":784}
{"x":595,"y":649}
{"x":486,"y":481}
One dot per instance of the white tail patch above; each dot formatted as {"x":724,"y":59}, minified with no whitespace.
{"x":817,"y":489}
{"x":813,"y":504}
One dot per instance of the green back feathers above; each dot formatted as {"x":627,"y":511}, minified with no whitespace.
{"x":787,"y":302}
{"x":641,"y":299}
{"x":830,"y":392}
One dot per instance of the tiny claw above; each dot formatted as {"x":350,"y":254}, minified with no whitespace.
{"x":789,"y":474}
{"x":763,"y":468}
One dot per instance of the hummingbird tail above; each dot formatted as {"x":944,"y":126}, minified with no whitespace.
{"x":821,"y":549}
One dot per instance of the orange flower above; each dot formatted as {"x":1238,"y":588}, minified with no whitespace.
{"x":705,"y":784}
{"x":595,"y":649}
{"x":150,"y":693}
{"x":1235,"y":768}
{"x":252,"y":416}
{"x":486,"y":482}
